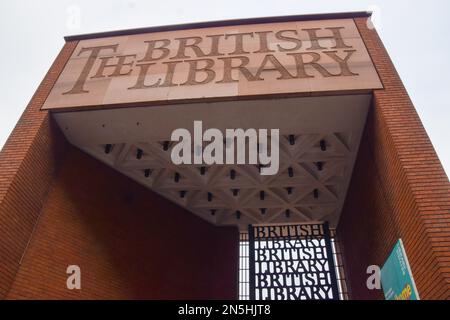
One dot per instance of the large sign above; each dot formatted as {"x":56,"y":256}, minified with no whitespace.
{"x":396,"y":276}
{"x":233,"y":61}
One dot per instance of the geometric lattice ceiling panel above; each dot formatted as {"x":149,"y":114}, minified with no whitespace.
{"x":319,"y":140}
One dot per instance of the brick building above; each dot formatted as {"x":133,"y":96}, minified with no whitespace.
{"x":85,"y":177}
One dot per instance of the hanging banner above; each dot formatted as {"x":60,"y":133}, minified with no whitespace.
{"x":396,"y":276}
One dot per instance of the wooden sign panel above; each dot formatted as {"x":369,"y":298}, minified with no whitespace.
{"x":223,"y":62}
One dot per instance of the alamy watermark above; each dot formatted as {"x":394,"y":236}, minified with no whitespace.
{"x":74,"y":279}
{"x":374,"y":280}
{"x":73,"y":20}
{"x":236,"y":146}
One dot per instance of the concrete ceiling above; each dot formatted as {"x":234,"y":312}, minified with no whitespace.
{"x":313,"y":191}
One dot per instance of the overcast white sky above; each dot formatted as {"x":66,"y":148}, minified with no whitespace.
{"x":416,"y":34}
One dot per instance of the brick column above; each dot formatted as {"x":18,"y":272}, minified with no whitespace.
{"x":28,"y":161}
{"x":398,"y":190}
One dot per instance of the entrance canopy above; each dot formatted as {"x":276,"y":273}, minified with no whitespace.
{"x":120,"y":97}
{"x":319,"y":139}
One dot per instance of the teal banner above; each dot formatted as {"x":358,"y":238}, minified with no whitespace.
{"x":396,"y":276}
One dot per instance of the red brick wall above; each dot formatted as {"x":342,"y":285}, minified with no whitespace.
{"x":129,"y":242}
{"x":60,"y":207}
{"x":28,"y":162}
{"x":398,"y":190}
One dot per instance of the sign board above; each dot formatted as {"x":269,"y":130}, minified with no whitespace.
{"x":291,"y":262}
{"x":396,"y":276}
{"x":220,"y":62}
